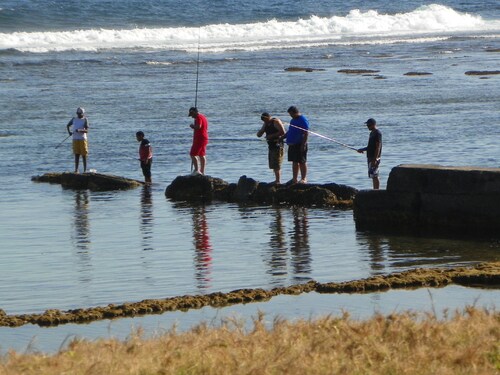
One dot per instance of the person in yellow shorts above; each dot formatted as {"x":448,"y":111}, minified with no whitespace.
{"x":80,"y":127}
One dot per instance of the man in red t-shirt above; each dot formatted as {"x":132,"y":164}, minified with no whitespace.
{"x":200,"y":140}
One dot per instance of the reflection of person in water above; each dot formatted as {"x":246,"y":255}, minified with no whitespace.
{"x":203,"y":247}
{"x":373,"y":243}
{"x":277,"y":247}
{"x":81,"y":222}
{"x":299,"y":245}
{"x":81,"y":235}
{"x":146,"y":225}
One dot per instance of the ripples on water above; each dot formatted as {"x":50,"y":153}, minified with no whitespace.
{"x":66,"y":249}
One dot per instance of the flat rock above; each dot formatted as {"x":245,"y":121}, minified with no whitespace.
{"x":357,"y":71}
{"x":91,"y":181}
{"x":302,"y":69}
{"x":482,"y":72}
{"x":418,"y":74}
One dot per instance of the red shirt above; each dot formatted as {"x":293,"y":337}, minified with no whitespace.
{"x":202,"y":132}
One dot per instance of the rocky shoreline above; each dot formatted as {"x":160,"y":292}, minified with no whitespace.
{"x":204,"y":189}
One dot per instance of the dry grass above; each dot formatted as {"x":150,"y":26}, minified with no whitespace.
{"x":466,"y":343}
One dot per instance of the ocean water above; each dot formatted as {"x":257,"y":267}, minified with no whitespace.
{"x":134,"y":65}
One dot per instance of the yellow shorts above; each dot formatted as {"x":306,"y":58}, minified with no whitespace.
{"x":80,"y":147}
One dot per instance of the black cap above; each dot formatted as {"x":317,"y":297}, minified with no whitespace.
{"x":293,"y":109}
{"x":371,"y":121}
{"x":264,"y":115}
{"x":192,"y":109}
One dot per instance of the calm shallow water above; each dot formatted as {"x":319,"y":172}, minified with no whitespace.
{"x":65,"y":249}
{"x":443,"y":302}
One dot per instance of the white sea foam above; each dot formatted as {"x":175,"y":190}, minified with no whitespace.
{"x":356,"y":27}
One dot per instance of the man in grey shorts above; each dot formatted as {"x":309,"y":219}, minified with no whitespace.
{"x":274,"y":130}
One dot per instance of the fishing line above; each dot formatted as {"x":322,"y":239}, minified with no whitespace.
{"x":325,"y":137}
{"x":63,"y":141}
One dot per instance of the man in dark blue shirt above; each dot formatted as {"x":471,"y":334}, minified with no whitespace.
{"x":373,"y":151}
{"x":296,"y":139}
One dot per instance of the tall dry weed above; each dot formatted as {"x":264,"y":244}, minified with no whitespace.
{"x":406,"y":343}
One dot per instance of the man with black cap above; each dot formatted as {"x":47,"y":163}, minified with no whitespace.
{"x":200,"y":141}
{"x":274,"y":129}
{"x":373,"y":151}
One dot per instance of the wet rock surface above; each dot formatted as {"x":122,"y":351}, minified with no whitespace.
{"x":433,"y":198}
{"x":91,"y":181}
{"x":247,"y":190}
{"x":481,"y":275}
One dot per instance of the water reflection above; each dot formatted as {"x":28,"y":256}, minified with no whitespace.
{"x":203,"y":248}
{"x":277,"y":257}
{"x":81,"y":226}
{"x":81,"y":234}
{"x":146,"y":219}
{"x":300,"y":249}
{"x":390,"y":252}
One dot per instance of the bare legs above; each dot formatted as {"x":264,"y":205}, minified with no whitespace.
{"x":295,"y":172}
{"x":376,"y":183}
{"x":77,"y":161}
{"x":199,"y":163}
{"x":277,"y":176}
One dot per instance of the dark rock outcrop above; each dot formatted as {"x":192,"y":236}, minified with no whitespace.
{"x":247,"y":190}
{"x":301,"y":69}
{"x":91,"y":181}
{"x":431,"y":198}
{"x":482,"y":73}
{"x":357,"y":71}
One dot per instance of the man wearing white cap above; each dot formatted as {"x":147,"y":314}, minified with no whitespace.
{"x":80,"y":128}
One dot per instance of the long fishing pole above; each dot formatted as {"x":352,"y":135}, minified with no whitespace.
{"x":197,"y":68}
{"x":325,"y":137}
{"x":63,"y":141}
{"x":197,"y":79}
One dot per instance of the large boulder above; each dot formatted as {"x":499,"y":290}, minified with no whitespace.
{"x":197,"y":188}
{"x":91,"y":181}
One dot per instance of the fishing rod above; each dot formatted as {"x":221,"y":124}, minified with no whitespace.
{"x":197,"y":68}
{"x":325,"y":137}
{"x":197,"y":80}
{"x":63,"y":141}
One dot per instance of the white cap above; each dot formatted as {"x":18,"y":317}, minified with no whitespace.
{"x":80,"y":110}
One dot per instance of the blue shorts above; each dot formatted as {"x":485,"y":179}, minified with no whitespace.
{"x":373,"y":171}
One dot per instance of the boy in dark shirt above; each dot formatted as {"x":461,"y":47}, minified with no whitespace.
{"x":145,"y":156}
